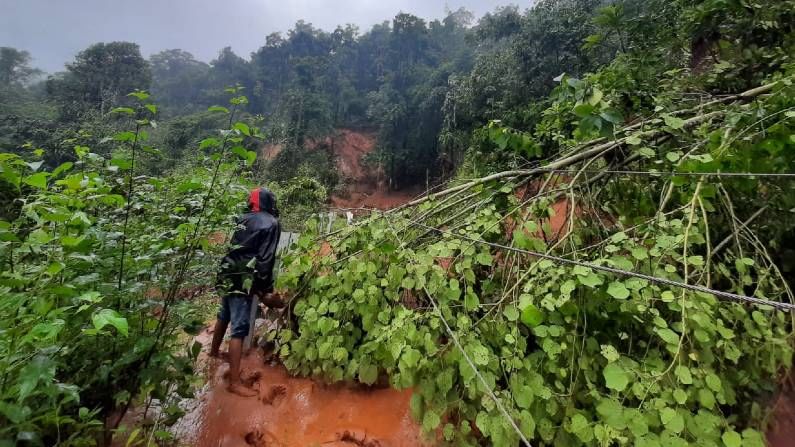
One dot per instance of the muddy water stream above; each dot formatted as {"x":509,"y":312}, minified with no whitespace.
{"x":298,"y":412}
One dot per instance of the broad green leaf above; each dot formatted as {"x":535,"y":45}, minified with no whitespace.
{"x":209,"y":142}
{"x":618,"y":290}
{"x":732,"y":439}
{"x":591,"y":280}
{"x":140,"y":95}
{"x":218,"y":109}
{"x":38,"y":180}
{"x":511,"y":313}
{"x":532,"y":316}
{"x":713,"y":382}
{"x":668,"y":335}
{"x":368,"y":373}
{"x":634,"y":140}
{"x":673,"y":122}
{"x":123,"y":110}
{"x":615,"y":377}
{"x":430,"y":421}
{"x":610,"y":353}
{"x":479,"y":354}
{"x":672,"y":420}
{"x":680,"y":396}
{"x":706,"y":398}
{"x":243,"y":128}
{"x":683,"y":374}
{"x":612,"y":115}
{"x":110,"y":317}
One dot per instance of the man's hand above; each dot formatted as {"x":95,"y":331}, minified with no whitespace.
{"x":272,"y":300}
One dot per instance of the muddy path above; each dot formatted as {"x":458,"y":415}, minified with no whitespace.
{"x":297,"y":412}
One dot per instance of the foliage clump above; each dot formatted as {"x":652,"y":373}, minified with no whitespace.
{"x":618,"y":169}
{"x":98,"y":257}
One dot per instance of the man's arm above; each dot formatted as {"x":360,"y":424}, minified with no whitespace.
{"x":266,"y":259}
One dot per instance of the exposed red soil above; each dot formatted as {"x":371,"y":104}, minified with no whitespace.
{"x":781,"y":432}
{"x":299,"y":412}
{"x":558,"y":223}
{"x":271,"y":151}
{"x":366,"y":186}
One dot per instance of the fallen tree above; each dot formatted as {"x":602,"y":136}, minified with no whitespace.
{"x":608,"y":325}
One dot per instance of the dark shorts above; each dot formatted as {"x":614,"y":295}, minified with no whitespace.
{"x":236,"y":303}
{"x":236,"y":309}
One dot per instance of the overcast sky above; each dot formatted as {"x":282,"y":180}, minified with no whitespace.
{"x":53,"y":31}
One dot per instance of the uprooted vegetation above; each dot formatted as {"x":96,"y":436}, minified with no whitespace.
{"x":573,"y":353}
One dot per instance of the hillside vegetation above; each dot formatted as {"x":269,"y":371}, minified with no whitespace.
{"x":605,"y":258}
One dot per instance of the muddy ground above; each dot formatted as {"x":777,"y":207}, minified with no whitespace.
{"x":294,"y":412}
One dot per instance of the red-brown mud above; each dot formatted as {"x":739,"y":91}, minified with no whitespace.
{"x":781,"y":432}
{"x":299,"y":412}
{"x":366,"y":185}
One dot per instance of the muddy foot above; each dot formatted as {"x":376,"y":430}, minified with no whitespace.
{"x":274,"y":395}
{"x":358,"y":438}
{"x":262,"y":438}
{"x":241,"y":390}
{"x":223,"y":356}
{"x":249,"y":378}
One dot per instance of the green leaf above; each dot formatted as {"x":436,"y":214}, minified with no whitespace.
{"x":615,"y":377}
{"x":39,"y":370}
{"x":209,"y":142}
{"x":62,"y":168}
{"x":532,"y":316}
{"x":218,"y":109}
{"x":668,"y":336}
{"x":583,"y":110}
{"x":152,"y":108}
{"x":618,"y":290}
{"x":610,"y":353}
{"x":479,"y":354}
{"x":471,"y":301}
{"x":368,"y":373}
{"x":673,"y":122}
{"x":124,"y":136}
{"x":634,"y":140}
{"x":411,"y":357}
{"x":110,"y":317}
{"x":706,"y":398}
{"x":511,"y":313}
{"x":672,"y":420}
{"x":612,"y":116}
{"x":732,"y":439}
{"x":121,"y":163}
{"x":683,"y":374}
{"x":141,"y":95}
{"x":647,"y":152}
{"x":713,"y":382}
{"x":38,"y":180}
{"x":430,"y":421}
{"x":591,"y":280}
{"x":242,"y":128}
{"x":483,"y":258}
{"x":123,"y":110}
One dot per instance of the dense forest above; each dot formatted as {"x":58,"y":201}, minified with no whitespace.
{"x":604,"y":258}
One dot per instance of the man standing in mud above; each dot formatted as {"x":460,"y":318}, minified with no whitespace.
{"x":246,"y":273}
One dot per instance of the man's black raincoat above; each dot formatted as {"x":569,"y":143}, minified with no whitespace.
{"x":254,"y":247}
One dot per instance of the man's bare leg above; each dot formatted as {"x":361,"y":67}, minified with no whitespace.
{"x":235,"y":355}
{"x":218,"y":337}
